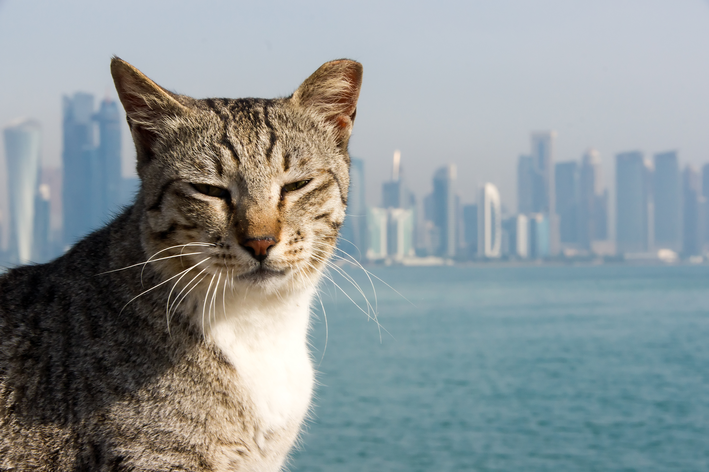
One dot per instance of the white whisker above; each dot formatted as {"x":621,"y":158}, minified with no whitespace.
{"x":178,"y":301}
{"x":162,"y":283}
{"x":150,"y":261}
{"x":204,"y":307}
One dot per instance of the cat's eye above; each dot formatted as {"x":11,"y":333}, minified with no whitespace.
{"x":211,"y":190}
{"x":293,"y":186}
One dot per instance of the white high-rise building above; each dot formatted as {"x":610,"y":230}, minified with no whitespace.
{"x":22,"y":147}
{"x":377,"y":228}
{"x":400,"y":233}
{"x":489,"y":222}
{"x":522,"y":236}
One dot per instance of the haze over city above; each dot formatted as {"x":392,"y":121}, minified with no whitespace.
{"x":461,"y":83}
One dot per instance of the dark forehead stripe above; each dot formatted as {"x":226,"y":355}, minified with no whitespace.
{"x":343,"y":195}
{"x":269,"y":127}
{"x":161,"y":195}
{"x":222,"y":110}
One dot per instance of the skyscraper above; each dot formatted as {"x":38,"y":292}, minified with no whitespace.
{"x":592,"y":201}
{"x":445,"y":211}
{"x":543,"y":200}
{"x":42,"y":250}
{"x":394,"y":192}
{"x":521,"y":242}
{"x":566,"y":193}
{"x":108,"y":154}
{"x":470,"y":230}
{"x":22,"y":147}
{"x":353,"y":237}
{"x":667,"y":202}
{"x":543,"y":191}
{"x":705,"y":212}
{"x":489,"y":222}
{"x":538,"y":236}
{"x":377,"y":240}
{"x":400,"y":233}
{"x":693,"y":212}
{"x":526,"y":177}
{"x":77,"y":158}
{"x":634,"y":209}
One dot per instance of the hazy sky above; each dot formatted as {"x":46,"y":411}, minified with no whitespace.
{"x":459,"y":82}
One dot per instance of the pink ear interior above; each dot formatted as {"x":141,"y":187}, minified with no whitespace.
{"x":332,"y":91}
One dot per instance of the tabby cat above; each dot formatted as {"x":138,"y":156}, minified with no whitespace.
{"x":175,"y":337}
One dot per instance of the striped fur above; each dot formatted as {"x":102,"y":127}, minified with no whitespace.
{"x":175,"y":337}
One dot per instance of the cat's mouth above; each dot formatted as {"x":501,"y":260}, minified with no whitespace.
{"x":263,"y":274}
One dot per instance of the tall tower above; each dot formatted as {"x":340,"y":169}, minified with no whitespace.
{"x":543,"y":200}
{"x":566,"y":176}
{"x":489,"y":222}
{"x":693,"y":212}
{"x":705,"y":212}
{"x":526,"y":177}
{"x":22,"y":147}
{"x":666,"y":197}
{"x":592,"y":201}
{"x":634,"y":208}
{"x":108,"y":154}
{"x":543,"y":193}
{"x":394,"y":193}
{"x":353,"y":239}
{"x":78,"y":159}
{"x":445,"y":210}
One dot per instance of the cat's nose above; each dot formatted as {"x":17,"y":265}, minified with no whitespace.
{"x":259,"y":247}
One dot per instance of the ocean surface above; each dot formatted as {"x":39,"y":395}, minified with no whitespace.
{"x":600,"y":368}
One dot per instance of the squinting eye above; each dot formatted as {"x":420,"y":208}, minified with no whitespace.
{"x":211,"y":190}
{"x":295,"y":185}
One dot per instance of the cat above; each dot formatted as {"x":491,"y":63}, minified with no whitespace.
{"x":175,"y":337}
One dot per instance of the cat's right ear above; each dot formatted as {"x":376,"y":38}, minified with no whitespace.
{"x":149,"y":107}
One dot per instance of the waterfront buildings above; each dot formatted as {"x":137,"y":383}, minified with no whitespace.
{"x":108,"y":159}
{"x":667,"y":202}
{"x":693,"y":203}
{"x":489,"y":222}
{"x":592,"y":202}
{"x":377,"y":233}
{"x":470,"y":230}
{"x":536,"y":184}
{"x":92,"y":177}
{"x":634,"y":207}
{"x":77,"y":157}
{"x":353,"y":236}
{"x":526,"y":179}
{"x":566,"y":176}
{"x":539,"y":238}
{"x":444,"y":212}
{"x":520,"y":245}
{"x":394,"y":192}
{"x":22,"y":149}
{"x":392,"y":228}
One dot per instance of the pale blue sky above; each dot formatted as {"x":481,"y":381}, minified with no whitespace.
{"x":461,"y":82}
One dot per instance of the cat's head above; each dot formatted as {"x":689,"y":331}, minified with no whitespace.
{"x":245,"y":191}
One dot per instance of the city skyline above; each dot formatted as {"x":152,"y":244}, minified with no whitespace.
{"x":452,"y":83}
{"x":567,"y":203}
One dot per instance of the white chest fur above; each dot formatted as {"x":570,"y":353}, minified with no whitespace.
{"x":266,"y":341}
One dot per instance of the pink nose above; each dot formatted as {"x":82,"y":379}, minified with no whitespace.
{"x":259,"y":247}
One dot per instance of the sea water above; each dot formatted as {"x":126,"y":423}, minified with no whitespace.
{"x":601,"y":368}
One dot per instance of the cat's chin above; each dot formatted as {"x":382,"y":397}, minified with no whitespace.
{"x":264,"y":277}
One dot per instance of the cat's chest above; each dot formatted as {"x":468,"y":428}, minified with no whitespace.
{"x":268,"y":349}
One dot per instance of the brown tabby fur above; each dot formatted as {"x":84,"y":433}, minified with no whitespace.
{"x":100,"y":368}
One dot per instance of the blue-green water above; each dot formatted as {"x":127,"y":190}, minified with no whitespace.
{"x":516,"y":369}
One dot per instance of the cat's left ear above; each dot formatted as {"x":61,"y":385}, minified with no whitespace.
{"x":332,"y":92}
